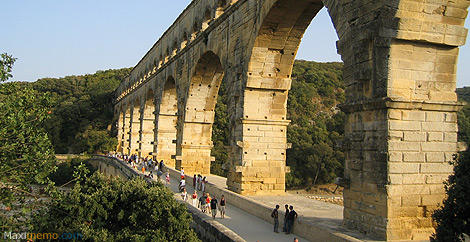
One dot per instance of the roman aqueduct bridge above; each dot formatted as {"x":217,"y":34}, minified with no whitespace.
{"x":400,"y":72}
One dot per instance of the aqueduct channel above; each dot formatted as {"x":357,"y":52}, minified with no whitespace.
{"x":400,"y":72}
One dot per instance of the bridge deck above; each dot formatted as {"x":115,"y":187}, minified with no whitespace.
{"x":319,"y":221}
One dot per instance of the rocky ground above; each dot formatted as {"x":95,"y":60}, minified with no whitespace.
{"x":329,"y":193}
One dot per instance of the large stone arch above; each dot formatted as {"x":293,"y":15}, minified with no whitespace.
{"x":134,"y":128}
{"x":258,"y":163}
{"x":196,"y":133}
{"x":147,"y":130}
{"x":167,"y":122}
{"x":400,"y":109}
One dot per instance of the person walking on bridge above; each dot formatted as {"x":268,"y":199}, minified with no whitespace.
{"x":275,"y":216}
{"x":214,"y":206}
{"x":222,"y":206}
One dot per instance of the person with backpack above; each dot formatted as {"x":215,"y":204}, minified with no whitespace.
{"x":275,"y":216}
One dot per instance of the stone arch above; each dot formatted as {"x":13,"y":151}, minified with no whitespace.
{"x":262,"y":143}
{"x":122,"y":122}
{"x":160,"y":61}
{"x":184,"y":40}
{"x":207,"y":18}
{"x":134,"y":128}
{"x":195,"y":29}
{"x":221,"y":5}
{"x":167,"y":122}
{"x":147,"y":129}
{"x":155,"y":65}
{"x":174,"y":48}
{"x":196,"y":143}
{"x":167,"y":55}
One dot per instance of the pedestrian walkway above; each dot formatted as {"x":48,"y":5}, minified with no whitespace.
{"x":247,"y":226}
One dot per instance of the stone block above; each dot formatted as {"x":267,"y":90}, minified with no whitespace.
{"x":435,"y":157}
{"x":410,"y":200}
{"x":435,"y":136}
{"x":413,"y":157}
{"x":427,"y":200}
{"x":414,"y":136}
{"x":414,"y":179}
{"x":403,"y":168}
{"x":430,"y":168}
{"x":395,"y":156}
{"x":404,"y":125}
{"x":413,"y":115}
{"x":403,"y":146}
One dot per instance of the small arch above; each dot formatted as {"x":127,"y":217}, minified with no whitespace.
{"x":167,"y":55}
{"x":184,"y":40}
{"x":221,"y":5}
{"x":195,"y":30}
{"x":155,"y":64}
{"x":207,"y":18}
{"x":174,"y":48}
{"x":160,"y":62}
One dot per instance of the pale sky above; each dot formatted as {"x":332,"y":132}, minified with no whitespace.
{"x":57,"y":38}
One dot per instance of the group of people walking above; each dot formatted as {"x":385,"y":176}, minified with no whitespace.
{"x":199,"y":183}
{"x":210,"y":205}
{"x":289,"y":217}
{"x":206,"y":203}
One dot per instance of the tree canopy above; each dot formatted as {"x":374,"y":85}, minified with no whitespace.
{"x":26,"y":154}
{"x":112,"y":209}
{"x":82,"y":118}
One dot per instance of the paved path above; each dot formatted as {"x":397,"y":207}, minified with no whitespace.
{"x":247,"y":226}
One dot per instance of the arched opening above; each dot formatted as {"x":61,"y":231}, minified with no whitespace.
{"x":184,"y":40}
{"x":268,"y":84}
{"x":199,"y":115}
{"x":155,"y":66}
{"x":221,"y":5}
{"x":122,"y":122}
{"x":167,"y":55}
{"x":175,"y":48}
{"x":167,"y":118}
{"x":134,"y":132}
{"x":195,"y":30}
{"x":148,"y":126}
{"x":160,"y":61}
{"x":207,"y":18}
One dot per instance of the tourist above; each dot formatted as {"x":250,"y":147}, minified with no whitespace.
{"x":214,"y":206}
{"x":275,"y":216}
{"x":204,"y":184}
{"x":290,"y":219}
{"x":208,"y":202}
{"x":202,"y":202}
{"x":284,"y":228}
{"x":151,"y":175}
{"x":223,"y":203}
{"x":195,"y":198}
{"x":161,"y":165}
{"x":194,"y":182}
{"x":182,"y":185}
{"x":296,"y":240}
{"x":184,"y":195}
{"x":199,"y":182}
{"x":182,"y":173}
{"x":167,"y":178}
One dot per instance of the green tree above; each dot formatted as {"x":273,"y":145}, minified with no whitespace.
{"x":82,"y":120}
{"x":26,"y":154}
{"x":111,"y":209}
{"x":453,"y":218}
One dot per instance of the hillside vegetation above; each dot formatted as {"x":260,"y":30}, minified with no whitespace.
{"x":82,"y":115}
